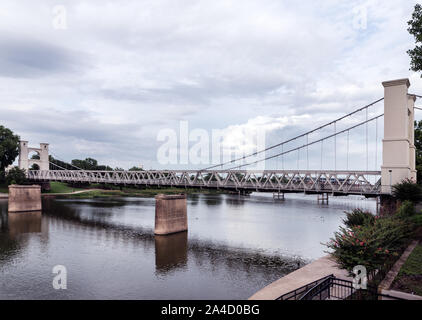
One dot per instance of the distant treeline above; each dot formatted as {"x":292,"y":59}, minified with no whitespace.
{"x":87,"y":164}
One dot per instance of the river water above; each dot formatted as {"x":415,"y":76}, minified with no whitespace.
{"x":234,"y":247}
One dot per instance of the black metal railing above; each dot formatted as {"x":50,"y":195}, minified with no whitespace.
{"x":332,"y":288}
{"x":300,"y":292}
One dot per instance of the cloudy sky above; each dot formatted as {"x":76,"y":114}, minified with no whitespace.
{"x":104,"y":79}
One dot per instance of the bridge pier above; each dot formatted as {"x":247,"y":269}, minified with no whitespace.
{"x":24,"y":198}
{"x":170,"y":214}
{"x":278,"y":196}
{"x":323,"y":198}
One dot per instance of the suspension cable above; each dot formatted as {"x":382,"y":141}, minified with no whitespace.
{"x":335,"y":145}
{"x":347,"y":159}
{"x":295,"y":138}
{"x":367,"y":144}
{"x":56,"y":165}
{"x":376,"y":143}
{"x":66,"y":162}
{"x":307,"y":152}
{"x":322,"y":146}
{"x":311,"y":143}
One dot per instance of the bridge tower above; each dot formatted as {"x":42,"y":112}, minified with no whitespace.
{"x":26,"y":163}
{"x":398,"y":155}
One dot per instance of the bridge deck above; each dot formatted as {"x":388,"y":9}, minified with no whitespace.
{"x":366,"y":183}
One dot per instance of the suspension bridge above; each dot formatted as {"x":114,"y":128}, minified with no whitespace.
{"x":398,"y":159}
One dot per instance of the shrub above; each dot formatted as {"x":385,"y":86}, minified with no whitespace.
{"x":407,"y":190}
{"x":372,"y":245}
{"x":358,"y":217}
{"x":406,"y":210}
{"x":15,"y":176}
{"x":416,"y":220}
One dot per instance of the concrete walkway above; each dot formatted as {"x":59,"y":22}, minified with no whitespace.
{"x":309,"y":273}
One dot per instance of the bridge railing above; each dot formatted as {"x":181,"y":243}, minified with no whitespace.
{"x":347,"y":182}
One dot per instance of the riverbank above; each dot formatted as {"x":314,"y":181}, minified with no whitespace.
{"x":61,"y":189}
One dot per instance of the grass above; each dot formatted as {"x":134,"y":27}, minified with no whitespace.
{"x":60,"y":187}
{"x":93,"y":191}
{"x":413,"y":265}
{"x":409,"y":278}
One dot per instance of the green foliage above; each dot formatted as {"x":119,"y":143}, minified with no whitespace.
{"x":35,"y":167}
{"x":15,"y":176}
{"x":371,"y":244}
{"x":407,"y":190}
{"x":406,"y":210}
{"x":134,"y":168}
{"x":61,"y":187}
{"x":416,"y":220}
{"x":358,"y":217}
{"x":90,"y":164}
{"x":410,"y":275}
{"x":9,"y":147}
{"x":87,"y":164}
{"x":415,"y":29}
{"x":2,"y":177}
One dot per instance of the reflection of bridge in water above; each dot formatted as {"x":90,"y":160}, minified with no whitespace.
{"x":398,"y":160}
{"x":172,"y":252}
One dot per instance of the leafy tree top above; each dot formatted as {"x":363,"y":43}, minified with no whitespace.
{"x":415,"y":29}
{"x":9,"y":147}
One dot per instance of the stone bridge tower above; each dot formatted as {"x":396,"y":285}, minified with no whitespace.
{"x":398,"y":151}
{"x":26,"y":163}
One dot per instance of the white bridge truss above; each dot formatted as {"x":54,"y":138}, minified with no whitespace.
{"x":366,"y":183}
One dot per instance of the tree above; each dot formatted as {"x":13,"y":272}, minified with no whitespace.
{"x":407,"y":190}
{"x":35,"y":167}
{"x":134,"y":168}
{"x":87,"y":164}
{"x":9,"y":147}
{"x":15,"y":176}
{"x":418,"y":146}
{"x":415,"y":29}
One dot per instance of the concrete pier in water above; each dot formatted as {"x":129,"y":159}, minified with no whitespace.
{"x":24,"y":198}
{"x":170,"y":214}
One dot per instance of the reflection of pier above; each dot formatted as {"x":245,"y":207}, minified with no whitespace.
{"x":171,"y":251}
{"x":28,"y":222}
{"x":14,"y":228}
